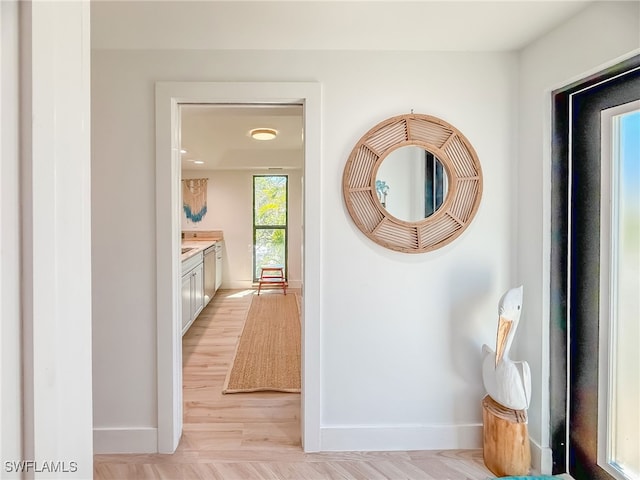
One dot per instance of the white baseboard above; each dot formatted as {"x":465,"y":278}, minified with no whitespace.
{"x":125,"y":440}
{"x":387,"y":438}
{"x":541,"y":458}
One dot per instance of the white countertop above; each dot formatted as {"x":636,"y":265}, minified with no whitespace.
{"x":196,"y":246}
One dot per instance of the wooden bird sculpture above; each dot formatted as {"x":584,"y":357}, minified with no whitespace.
{"x":506,"y":381}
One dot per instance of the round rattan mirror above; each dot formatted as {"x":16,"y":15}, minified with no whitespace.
{"x":366,"y":193}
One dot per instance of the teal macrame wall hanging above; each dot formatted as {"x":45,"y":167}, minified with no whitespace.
{"x":194,"y":198}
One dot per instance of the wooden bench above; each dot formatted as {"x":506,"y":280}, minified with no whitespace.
{"x":272,"y":276}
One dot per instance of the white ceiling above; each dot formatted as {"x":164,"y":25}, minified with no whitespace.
{"x":218,"y":135}
{"x":425,"y":25}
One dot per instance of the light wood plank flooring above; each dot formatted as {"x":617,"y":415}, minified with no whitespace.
{"x":257,"y":435}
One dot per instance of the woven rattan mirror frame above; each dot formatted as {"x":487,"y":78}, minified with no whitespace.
{"x":460,"y":162}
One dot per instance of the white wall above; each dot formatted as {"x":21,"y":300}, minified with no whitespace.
{"x":230,"y":209}
{"x":588,"y":42}
{"x":401,"y":334}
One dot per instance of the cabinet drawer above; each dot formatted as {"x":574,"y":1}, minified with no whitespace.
{"x":191,"y":262}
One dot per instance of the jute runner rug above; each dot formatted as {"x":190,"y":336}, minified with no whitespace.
{"x":268,"y":352}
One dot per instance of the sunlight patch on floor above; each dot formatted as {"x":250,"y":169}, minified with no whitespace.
{"x":242,"y":293}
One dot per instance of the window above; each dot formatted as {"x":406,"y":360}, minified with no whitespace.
{"x":619,"y":383}
{"x":270,"y":204}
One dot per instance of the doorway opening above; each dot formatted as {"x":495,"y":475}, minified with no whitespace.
{"x":245,"y":206}
{"x":169,"y":97}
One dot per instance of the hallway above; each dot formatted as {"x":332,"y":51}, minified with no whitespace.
{"x":257,"y":435}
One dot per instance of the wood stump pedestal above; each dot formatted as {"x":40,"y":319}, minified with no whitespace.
{"x":505,"y":439}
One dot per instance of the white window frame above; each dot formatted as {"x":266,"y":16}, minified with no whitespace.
{"x":609,"y":218}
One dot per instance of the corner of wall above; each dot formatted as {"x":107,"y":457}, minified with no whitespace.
{"x":541,"y":458}
{"x":582,"y":45}
{"x":125,"y":440}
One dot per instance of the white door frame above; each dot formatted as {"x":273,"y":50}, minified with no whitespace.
{"x":49,"y":303}
{"x":169,"y":95}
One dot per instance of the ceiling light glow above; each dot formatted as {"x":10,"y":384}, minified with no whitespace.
{"x":263,"y":133}
{"x":198,"y":162}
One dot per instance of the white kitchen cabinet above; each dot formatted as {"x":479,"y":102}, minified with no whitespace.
{"x":198,"y":290}
{"x":186,"y":301}
{"x":209,"y":273}
{"x":192,"y":290}
{"x":218,"y":279}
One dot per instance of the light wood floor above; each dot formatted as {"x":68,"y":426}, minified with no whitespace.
{"x":247,"y":436}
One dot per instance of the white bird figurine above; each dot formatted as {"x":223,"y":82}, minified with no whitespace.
{"x":506,"y":381}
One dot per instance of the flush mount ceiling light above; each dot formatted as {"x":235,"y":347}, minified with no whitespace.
{"x":198,"y":162}
{"x":263,"y":133}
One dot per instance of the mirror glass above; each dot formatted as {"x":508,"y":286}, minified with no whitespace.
{"x":411,"y":183}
